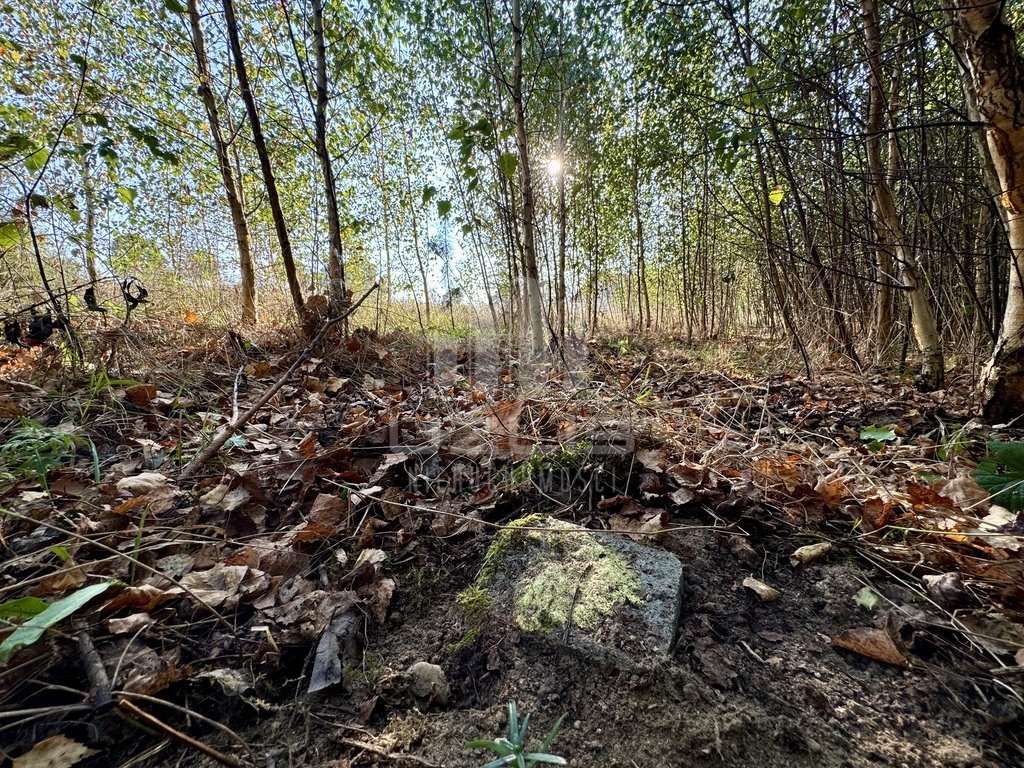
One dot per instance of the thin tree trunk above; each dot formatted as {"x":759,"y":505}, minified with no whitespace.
{"x":89,"y":190}
{"x":888,"y":227}
{"x":535,"y":308}
{"x":264,"y":156}
{"x":335,"y":265}
{"x":231,"y":185}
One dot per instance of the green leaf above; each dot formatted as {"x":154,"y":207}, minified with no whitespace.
{"x":14,"y":144}
{"x":127,"y":195}
{"x":34,"y":628}
{"x":61,"y":553}
{"x":484,"y":744}
{"x":10,"y":234}
{"x":443,"y":207}
{"x":550,"y":738}
{"x":506,"y":760}
{"x":877,"y":434}
{"x":521,"y":738}
{"x":428,"y":193}
{"x":776,"y":195}
{"x":867,"y":598}
{"x":507,"y":163}
{"x":96,"y":118}
{"x":540,"y":757}
{"x":36,"y":161}
{"x":174,"y":6}
{"x":1002,"y":474}
{"x":513,"y":721}
{"x":22,"y":608}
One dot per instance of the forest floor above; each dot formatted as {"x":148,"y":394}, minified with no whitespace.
{"x":346,"y":517}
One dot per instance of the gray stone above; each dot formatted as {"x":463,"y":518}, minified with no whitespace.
{"x":600,"y":593}
{"x":427,"y":684}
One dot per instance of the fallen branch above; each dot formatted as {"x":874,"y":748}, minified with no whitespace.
{"x":240,"y":421}
{"x":185,"y":739}
{"x":95,"y":672}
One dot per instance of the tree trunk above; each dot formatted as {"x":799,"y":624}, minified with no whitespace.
{"x":335,"y":265}
{"x":535,"y":308}
{"x":997,"y":77}
{"x":261,"y":150}
{"x":231,"y":186}
{"x":89,"y":190}
{"x":886,"y":221}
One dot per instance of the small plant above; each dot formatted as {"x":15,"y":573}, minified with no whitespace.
{"x":512,"y":751}
{"x":877,"y":437}
{"x":1002,"y":474}
{"x":36,"y":449}
{"x":569,"y":456}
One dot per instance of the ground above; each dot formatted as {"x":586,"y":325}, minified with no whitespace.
{"x":314,"y":538}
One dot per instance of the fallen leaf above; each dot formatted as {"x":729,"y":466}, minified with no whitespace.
{"x":129,"y":624}
{"x":140,"y":395}
{"x":141,"y":484}
{"x":55,"y":752}
{"x":810,"y":553}
{"x":764,"y":593}
{"x":874,"y":643}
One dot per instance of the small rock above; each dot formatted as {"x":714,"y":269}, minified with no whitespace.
{"x":427,"y":684}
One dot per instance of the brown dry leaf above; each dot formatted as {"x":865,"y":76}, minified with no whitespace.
{"x":810,"y":553}
{"x":327,"y":510}
{"x":781,"y":472}
{"x":832,"y":491}
{"x":877,"y":513}
{"x":965,"y":492}
{"x":140,"y":395}
{"x":223,"y":498}
{"x":872,"y":642}
{"x":380,"y":593}
{"x":9,"y":409}
{"x":142,"y":669}
{"x":687,"y":474}
{"x":142,"y":484}
{"x":502,"y":423}
{"x":226,"y":584}
{"x":58,"y":582}
{"x":55,"y":752}
{"x":764,"y":593}
{"x":144,"y":598}
{"x":302,"y":619}
{"x":129,"y":625}
{"x":654,"y":459}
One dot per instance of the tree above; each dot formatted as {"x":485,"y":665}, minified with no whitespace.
{"x":892,"y":241}
{"x":997,"y":80}
{"x":231,"y":186}
{"x":280,"y":223}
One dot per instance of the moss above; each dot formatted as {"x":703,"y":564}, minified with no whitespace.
{"x":567,"y":456}
{"x":583,"y":584}
{"x":475,"y":603}
{"x":571,"y":573}
{"x":510,"y":537}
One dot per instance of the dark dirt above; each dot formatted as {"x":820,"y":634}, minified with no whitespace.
{"x":749,"y":684}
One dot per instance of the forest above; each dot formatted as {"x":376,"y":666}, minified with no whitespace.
{"x":383,"y":377}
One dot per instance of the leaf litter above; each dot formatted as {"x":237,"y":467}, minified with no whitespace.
{"x":307,"y":557}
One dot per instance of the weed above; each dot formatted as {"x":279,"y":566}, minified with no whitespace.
{"x":512,"y":751}
{"x":568,"y":456}
{"x":34,"y":448}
